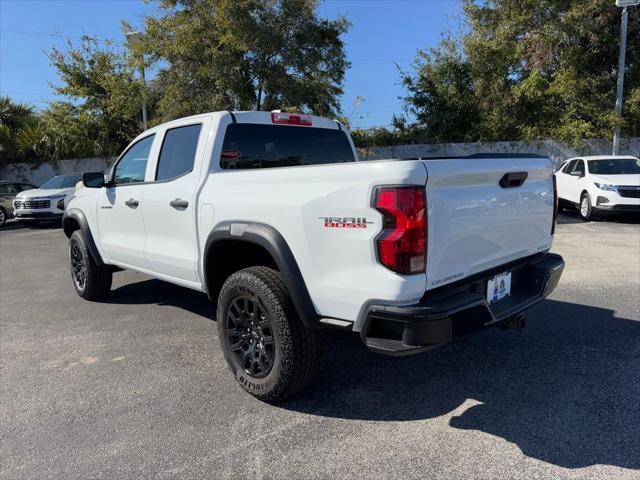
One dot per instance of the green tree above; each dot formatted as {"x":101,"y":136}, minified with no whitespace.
{"x":529,"y":69}
{"x":243,"y":54}
{"x":103,"y":111}
{"x":441,"y":94}
{"x":19,"y":131}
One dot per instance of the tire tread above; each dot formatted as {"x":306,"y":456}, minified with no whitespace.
{"x":300,"y":346}
{"x":99,"y":279}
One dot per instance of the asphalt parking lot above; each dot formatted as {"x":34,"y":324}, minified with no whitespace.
{"x":136,"y":387}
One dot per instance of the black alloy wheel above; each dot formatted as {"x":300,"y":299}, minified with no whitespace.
{"x":269,"y":350}
{"x":91,"y":281}
{"x":78,"y":267}
{"x":250,"y":335}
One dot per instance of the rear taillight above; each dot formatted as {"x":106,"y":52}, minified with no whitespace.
{"x":402,"y":244}
{"x":291,"y":119}
{"x":555,"y":206}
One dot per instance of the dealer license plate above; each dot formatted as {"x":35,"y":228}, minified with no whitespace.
{"x":499,"y":287}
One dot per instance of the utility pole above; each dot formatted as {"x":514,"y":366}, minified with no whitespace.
{"x":621,"y":63}
{"x":144,"y":96}
{"x":144,"y":84}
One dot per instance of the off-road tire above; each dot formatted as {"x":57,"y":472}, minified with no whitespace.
{"x":96,"y":281}
{"x":585,"y":208}
{"x":296,"y":349}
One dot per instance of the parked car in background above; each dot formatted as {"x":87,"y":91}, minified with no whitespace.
{"x":8,"y":191}
{"x":600,"y":184}
{"x":47,"y":202}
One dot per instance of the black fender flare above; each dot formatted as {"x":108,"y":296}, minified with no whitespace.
{"x":78,"y":216}
{"x":273,"y":242}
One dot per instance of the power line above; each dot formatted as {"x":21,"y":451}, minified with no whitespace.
{"x":20,"y":92}
{"x":59,"y":35}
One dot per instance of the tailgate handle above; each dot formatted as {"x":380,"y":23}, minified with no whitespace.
{"x":513,"y":179}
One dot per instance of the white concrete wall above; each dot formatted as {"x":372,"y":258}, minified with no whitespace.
{"x":38,"y":174}
{"x":550,"y":148}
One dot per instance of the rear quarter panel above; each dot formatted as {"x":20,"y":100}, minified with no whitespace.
{"x":338,"y":264}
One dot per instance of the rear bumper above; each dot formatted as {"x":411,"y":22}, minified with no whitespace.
{"x":459,"y":309}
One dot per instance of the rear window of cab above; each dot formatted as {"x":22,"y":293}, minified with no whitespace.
{"x":249,"y":145}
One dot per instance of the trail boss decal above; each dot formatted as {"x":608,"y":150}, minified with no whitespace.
{"x":345,"y":222}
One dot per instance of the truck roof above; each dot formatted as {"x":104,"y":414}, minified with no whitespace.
{"x":255,"y":117}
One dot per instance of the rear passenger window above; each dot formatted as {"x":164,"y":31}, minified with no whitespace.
{"x":248,"y":145}
{"x":178,"y":152}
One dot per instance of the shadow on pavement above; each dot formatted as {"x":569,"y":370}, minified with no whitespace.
{"x":566,"y":218}
{"x":157,"y":292}
{"x":15,"y":225}
{"x":572,"y":216}
{"x":566,"y":390}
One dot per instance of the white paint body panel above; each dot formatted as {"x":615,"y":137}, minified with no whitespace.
{"x":339,"y":265}
{"x":473,"y":223}
{"x":122,"y":232}
{"x":171,"y":246}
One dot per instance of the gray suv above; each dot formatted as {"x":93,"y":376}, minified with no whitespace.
{"x":8,"y":191}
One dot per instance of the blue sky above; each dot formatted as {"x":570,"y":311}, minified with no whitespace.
{"x":384,"y":32}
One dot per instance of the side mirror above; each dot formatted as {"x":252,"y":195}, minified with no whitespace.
{"x":576,"y":174}
{"x":93,"y":179}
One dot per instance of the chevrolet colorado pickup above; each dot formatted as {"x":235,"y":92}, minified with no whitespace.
{"x":273,"y":216}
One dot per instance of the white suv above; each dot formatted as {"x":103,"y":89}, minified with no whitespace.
{"x":47,"y":202}
{"x":600,"y":184}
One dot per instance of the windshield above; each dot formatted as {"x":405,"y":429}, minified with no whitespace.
{"x":615,"y":166}
{"x":61,"y":181}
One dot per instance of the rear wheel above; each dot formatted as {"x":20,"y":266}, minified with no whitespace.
{"x":90,"y":281}
{"x":269,"y":351}
{"x":3,"y":216}
{"x":586,"y":210}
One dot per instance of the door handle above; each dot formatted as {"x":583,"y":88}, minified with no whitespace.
{"x":132,"y":202}
{"x":179,"y":203}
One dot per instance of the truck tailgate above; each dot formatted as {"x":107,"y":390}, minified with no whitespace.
{"x":475,"y":224}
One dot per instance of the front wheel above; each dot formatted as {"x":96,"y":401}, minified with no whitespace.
{"x":586,"y":209}
{"x":3,"y":216}
{"x":268,"y":349}
{"x":90,"y":281}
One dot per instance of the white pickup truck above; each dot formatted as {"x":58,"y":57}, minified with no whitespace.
{"x":273,"y":216}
